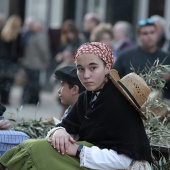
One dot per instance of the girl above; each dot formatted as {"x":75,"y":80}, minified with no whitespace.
{"x":106,"y":117}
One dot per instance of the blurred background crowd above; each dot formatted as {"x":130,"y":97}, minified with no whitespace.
{"x":37,"y":37}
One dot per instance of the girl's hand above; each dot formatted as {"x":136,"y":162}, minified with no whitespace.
{"x":61,"y":141}
{"x":72,"y":149}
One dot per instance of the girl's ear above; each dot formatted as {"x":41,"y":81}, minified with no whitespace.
{"x":108,"y":67}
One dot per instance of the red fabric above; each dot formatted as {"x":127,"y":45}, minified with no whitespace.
{"x":97,"y":48}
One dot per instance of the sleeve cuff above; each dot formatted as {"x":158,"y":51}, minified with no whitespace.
{"x":52,"y":131}
{"x":82,"y":157}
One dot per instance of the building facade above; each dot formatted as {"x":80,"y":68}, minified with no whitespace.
{"x":54,"y":12}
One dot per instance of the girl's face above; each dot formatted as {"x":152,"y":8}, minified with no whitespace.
{"x":91,"y":71}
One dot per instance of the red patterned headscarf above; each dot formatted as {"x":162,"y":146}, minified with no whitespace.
{"x":97,"y":48}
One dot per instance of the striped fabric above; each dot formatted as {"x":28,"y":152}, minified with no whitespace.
{"x":10,"y":138}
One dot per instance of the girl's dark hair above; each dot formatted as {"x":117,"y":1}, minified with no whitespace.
{"x":68,"y":25}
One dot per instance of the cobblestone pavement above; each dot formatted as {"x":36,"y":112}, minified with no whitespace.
{"x":47,"y":108}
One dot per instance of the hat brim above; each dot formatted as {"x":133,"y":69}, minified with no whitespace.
{"x":67,"y":74}
{"x":113,"y":74}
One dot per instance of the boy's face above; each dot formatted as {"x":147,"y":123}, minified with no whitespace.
{"x":65,"y":93}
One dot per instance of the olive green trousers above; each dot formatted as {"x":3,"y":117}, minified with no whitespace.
{"x":38,"y":154}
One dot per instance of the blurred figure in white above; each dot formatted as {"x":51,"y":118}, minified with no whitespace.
{"x":122,"y":37}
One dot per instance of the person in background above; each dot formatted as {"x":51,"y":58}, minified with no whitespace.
{"x":36,"y":59}
{"x":122,"y":37}
{"x":4,"y":124}
{"x":70,"y":40}
{"x":160,"y":23}
{"x":145,"y":54}
{"x":8,"y":138}
{"x":110,"y":136}
{"x":102,"y":33}
{"x":91,"y":20}
{"x":9,"y":55}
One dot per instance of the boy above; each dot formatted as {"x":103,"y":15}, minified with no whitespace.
{"x":70,"y":88}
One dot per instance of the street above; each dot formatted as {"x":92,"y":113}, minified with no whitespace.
{"x":47,"y":108}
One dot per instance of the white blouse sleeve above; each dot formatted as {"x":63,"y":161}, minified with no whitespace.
{"x":103,"y":159}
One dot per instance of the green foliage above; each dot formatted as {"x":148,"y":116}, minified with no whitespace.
{"x":154,"y":74}
{"x":35,"y":128}
{"x":157,"y":125}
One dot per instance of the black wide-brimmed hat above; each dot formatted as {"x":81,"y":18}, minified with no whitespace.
{"x":133,"y":87}
{"x":69,"y":74}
